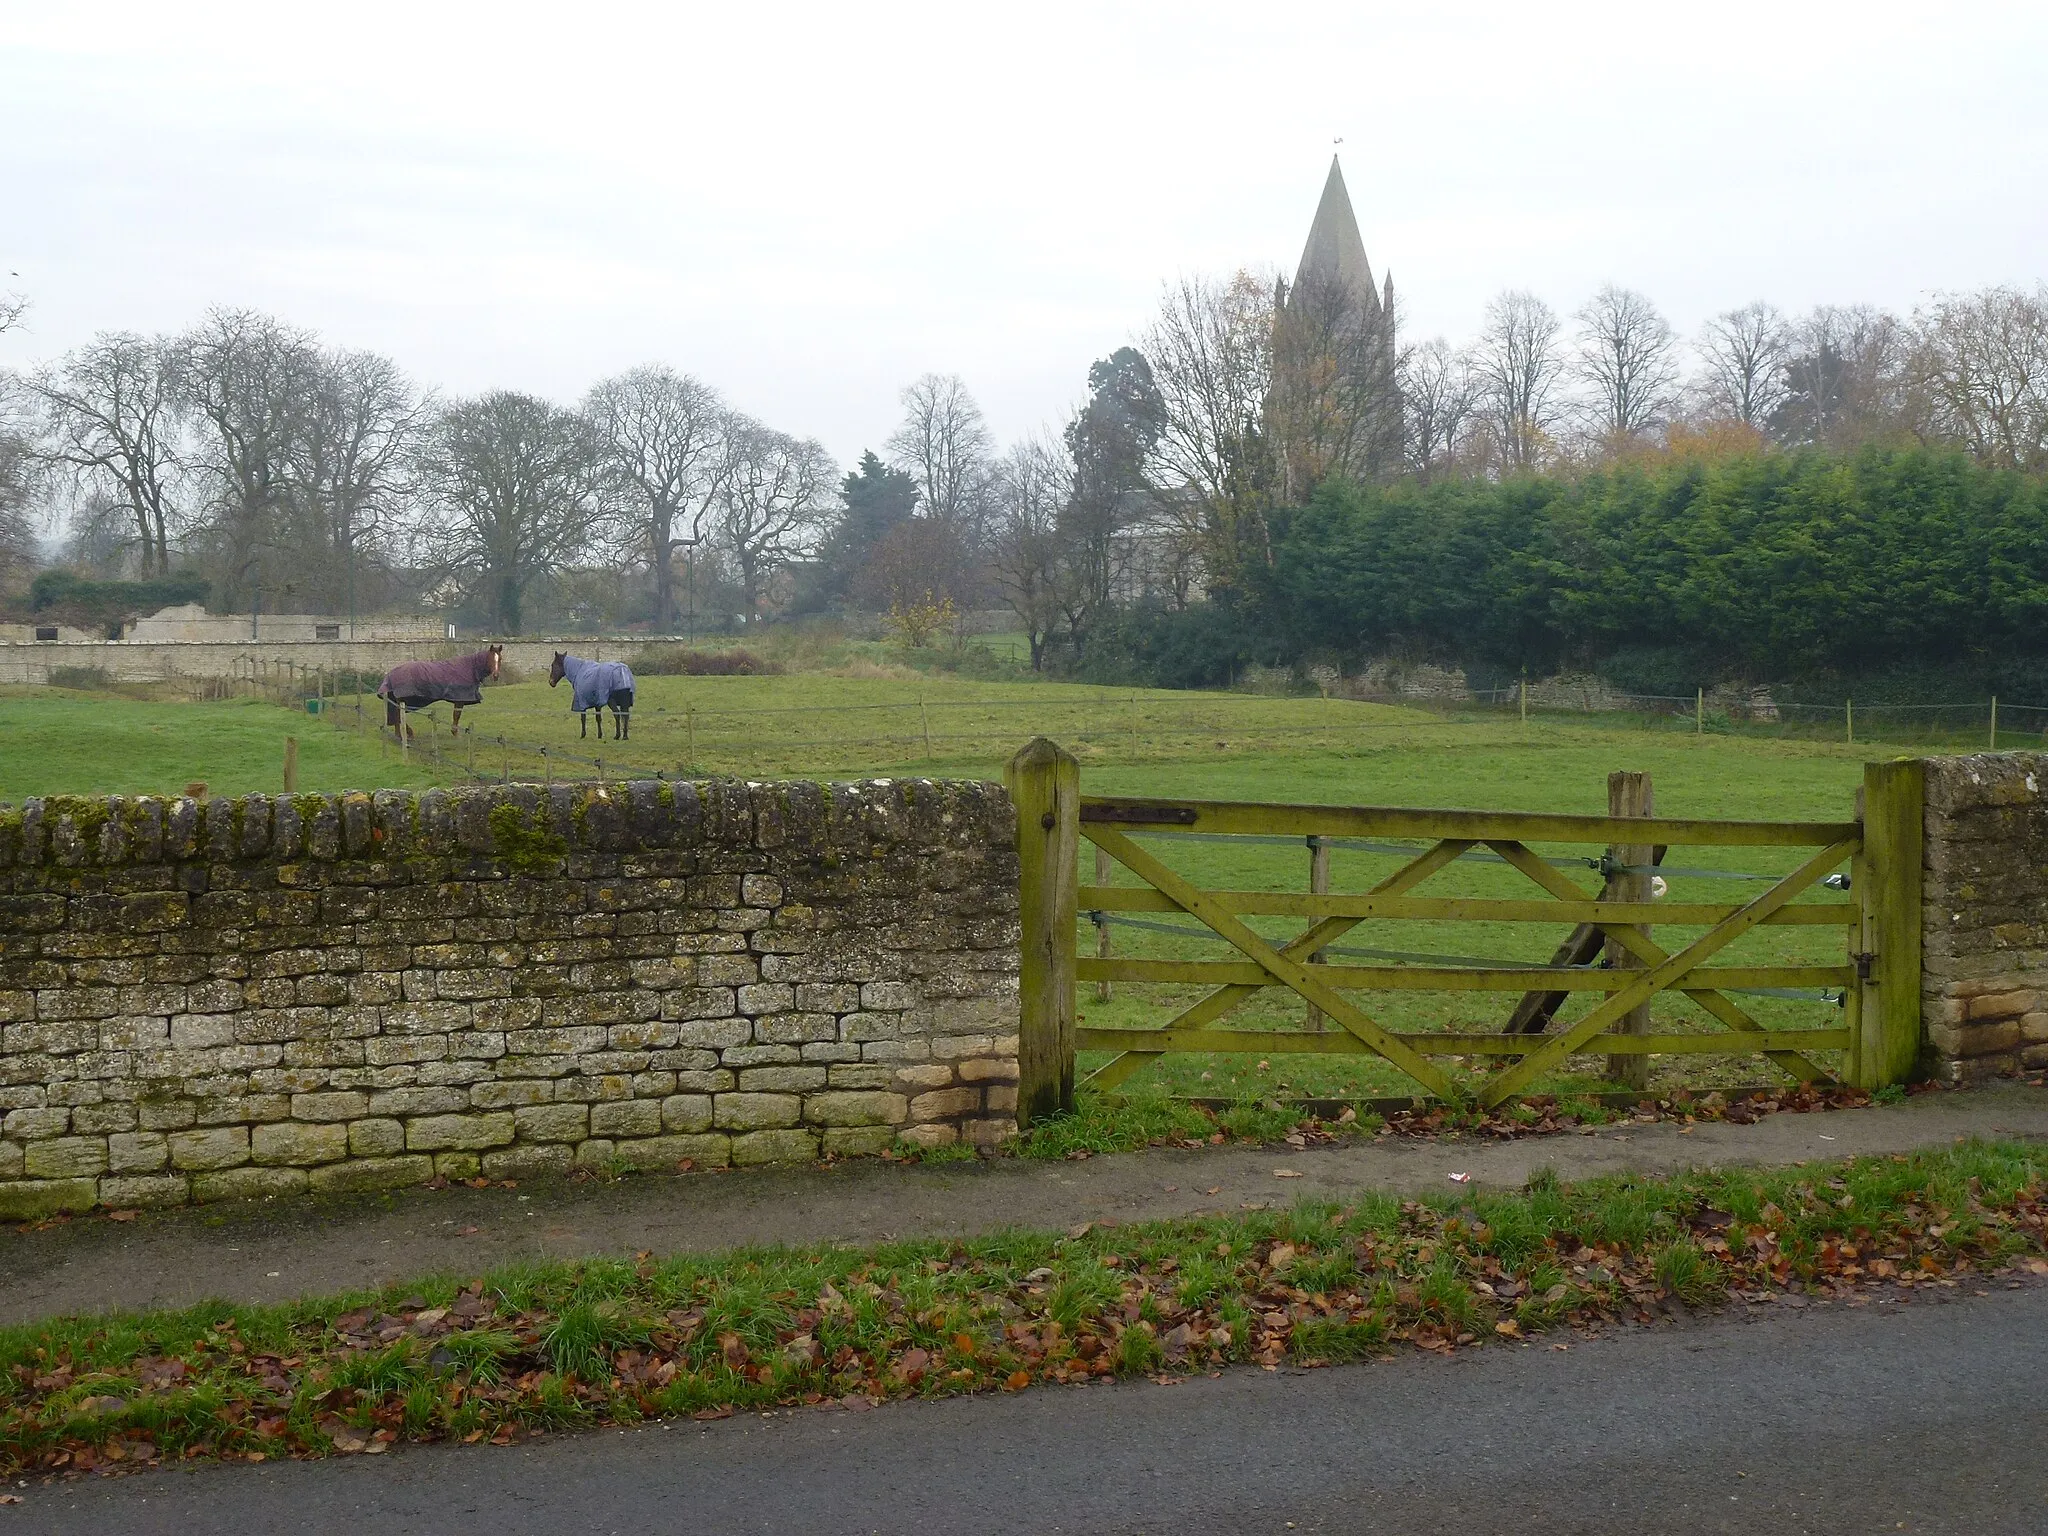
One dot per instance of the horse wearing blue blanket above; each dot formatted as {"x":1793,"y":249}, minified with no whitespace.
{"x":599,"y":686}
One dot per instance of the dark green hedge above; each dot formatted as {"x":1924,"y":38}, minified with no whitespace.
{"x":1670,"y":575}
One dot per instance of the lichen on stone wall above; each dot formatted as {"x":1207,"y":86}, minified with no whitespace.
{"x":523,"y":842}
{"x":1984,"y":926}
{"x":275,"y":994}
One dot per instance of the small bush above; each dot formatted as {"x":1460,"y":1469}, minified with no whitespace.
{"x":80,"y":677}
{"x":680,"y":661}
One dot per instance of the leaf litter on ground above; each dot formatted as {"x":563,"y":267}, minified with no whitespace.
{"x":542,"y":1347}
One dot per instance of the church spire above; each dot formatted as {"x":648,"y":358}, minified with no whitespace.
{"x":1335,"y":254}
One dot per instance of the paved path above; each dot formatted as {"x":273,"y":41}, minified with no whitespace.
{"x":1923,"y":1417}
{"x":276,"y":1250}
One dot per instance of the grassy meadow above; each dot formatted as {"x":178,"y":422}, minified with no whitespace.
{"x":873,"y":719}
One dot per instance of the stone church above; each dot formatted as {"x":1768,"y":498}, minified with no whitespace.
{"x":1335,"y":406}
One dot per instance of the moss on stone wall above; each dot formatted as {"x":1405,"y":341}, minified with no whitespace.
{"x":524,"y":843}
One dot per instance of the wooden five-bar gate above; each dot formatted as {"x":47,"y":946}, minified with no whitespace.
{"x":1879,"y":975}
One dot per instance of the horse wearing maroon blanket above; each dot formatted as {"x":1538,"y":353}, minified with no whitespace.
{"x":415,"y":685}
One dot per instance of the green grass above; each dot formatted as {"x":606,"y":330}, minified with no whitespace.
{"x":549,"y":1344}
{"x":54,"y":741}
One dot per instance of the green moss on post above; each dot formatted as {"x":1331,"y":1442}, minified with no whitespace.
{"x":1887,"y":1049}
{"x":1045,"y":785}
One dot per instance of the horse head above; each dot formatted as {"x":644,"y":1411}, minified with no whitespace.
{"x":497,"y":659}
{"x":557,"y":671}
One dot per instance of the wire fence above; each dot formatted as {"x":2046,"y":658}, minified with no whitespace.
{"x":692,"y":737}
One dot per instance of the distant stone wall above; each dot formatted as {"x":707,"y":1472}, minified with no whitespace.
{"x":269,"y":995}
{"x":1984,"y":947}
{"x":131,"y":661}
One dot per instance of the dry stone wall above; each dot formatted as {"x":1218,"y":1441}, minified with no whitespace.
{"x":1984,"y":922}
{"x":268,"y":995}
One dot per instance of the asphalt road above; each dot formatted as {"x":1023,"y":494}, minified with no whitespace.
{"x":1927,"y":1416}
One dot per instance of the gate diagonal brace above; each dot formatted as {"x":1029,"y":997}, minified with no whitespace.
{"x":1800,"y":1068}
{"x":1284,"y":969}
{"x":1309,"y":942}
{"x":1557,"y":1048}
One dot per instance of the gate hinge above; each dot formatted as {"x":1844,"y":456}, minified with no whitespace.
{"x":1862,"y":960}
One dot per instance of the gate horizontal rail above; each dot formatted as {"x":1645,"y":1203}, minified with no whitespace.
{"x":1878,"y":985}
{"x":1476,"y":909}
{"x":1302,"y":1042}
{"x":1426,"y":978}
{"x":1134,"y":813}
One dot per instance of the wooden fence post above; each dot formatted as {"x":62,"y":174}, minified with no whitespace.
{"x":1045,"y":786}
{"x":1630,"y":794}
{"x":1318,"y":885}
{"x":1887,"y":1043}
{"x":291,"y":765}
{"x":1103,"y":991}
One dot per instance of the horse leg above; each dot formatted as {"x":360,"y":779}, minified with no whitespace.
{"x":582,"y":725}
{"x":455,"y":726}
{"x":599,"y":712}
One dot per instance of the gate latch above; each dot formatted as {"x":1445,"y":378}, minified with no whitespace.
{"x":1863,"y":959}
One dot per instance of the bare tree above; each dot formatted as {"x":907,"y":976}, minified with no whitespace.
{"x":1335,"y":402}
{"x":1518,"y":369}
{"x":12,"y":307}
{"x":1211,"y":354}
{"x":771,"y":502}
{"x":1439,"y":394}
{"x":517,"y":487}
{"x":110,"y":417}
{"x":1845,"y":382}
{"x":1743,"y":353}
{"x":1627,"y":364}
{"x":1980,"y":363}
{"x":248,"y":382}
{"x":352,"y":461}
{"x":944,"y":445}
{"x":666,"y":432}
{"x":19,"y":472}
{"x":1032,"y":486}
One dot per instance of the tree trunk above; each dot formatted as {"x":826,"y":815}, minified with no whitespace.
{"x":664,"y":575}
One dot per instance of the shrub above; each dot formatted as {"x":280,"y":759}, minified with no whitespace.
{"x":680,"y":661}
{"x":80,"y":677}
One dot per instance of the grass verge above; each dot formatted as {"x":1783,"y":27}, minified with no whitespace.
{"x":548,"y":1346}
{"x":1148,"y":1116}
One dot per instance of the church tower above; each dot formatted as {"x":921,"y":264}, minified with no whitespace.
{"x":1335,"y":407}
{"x":1334,"y":257}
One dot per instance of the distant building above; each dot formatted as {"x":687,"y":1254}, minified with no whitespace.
{"x":1335,"y":406}
{"x":190,"y":623}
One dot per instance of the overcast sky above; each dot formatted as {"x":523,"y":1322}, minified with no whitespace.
{"x":807,"y":205}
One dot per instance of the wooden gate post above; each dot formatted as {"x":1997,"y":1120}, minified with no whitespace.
{"x":291,"y":765}
{"x":1045,"y":785}
{"x":1886,"y":1047}
{"x":1630,"y":794}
